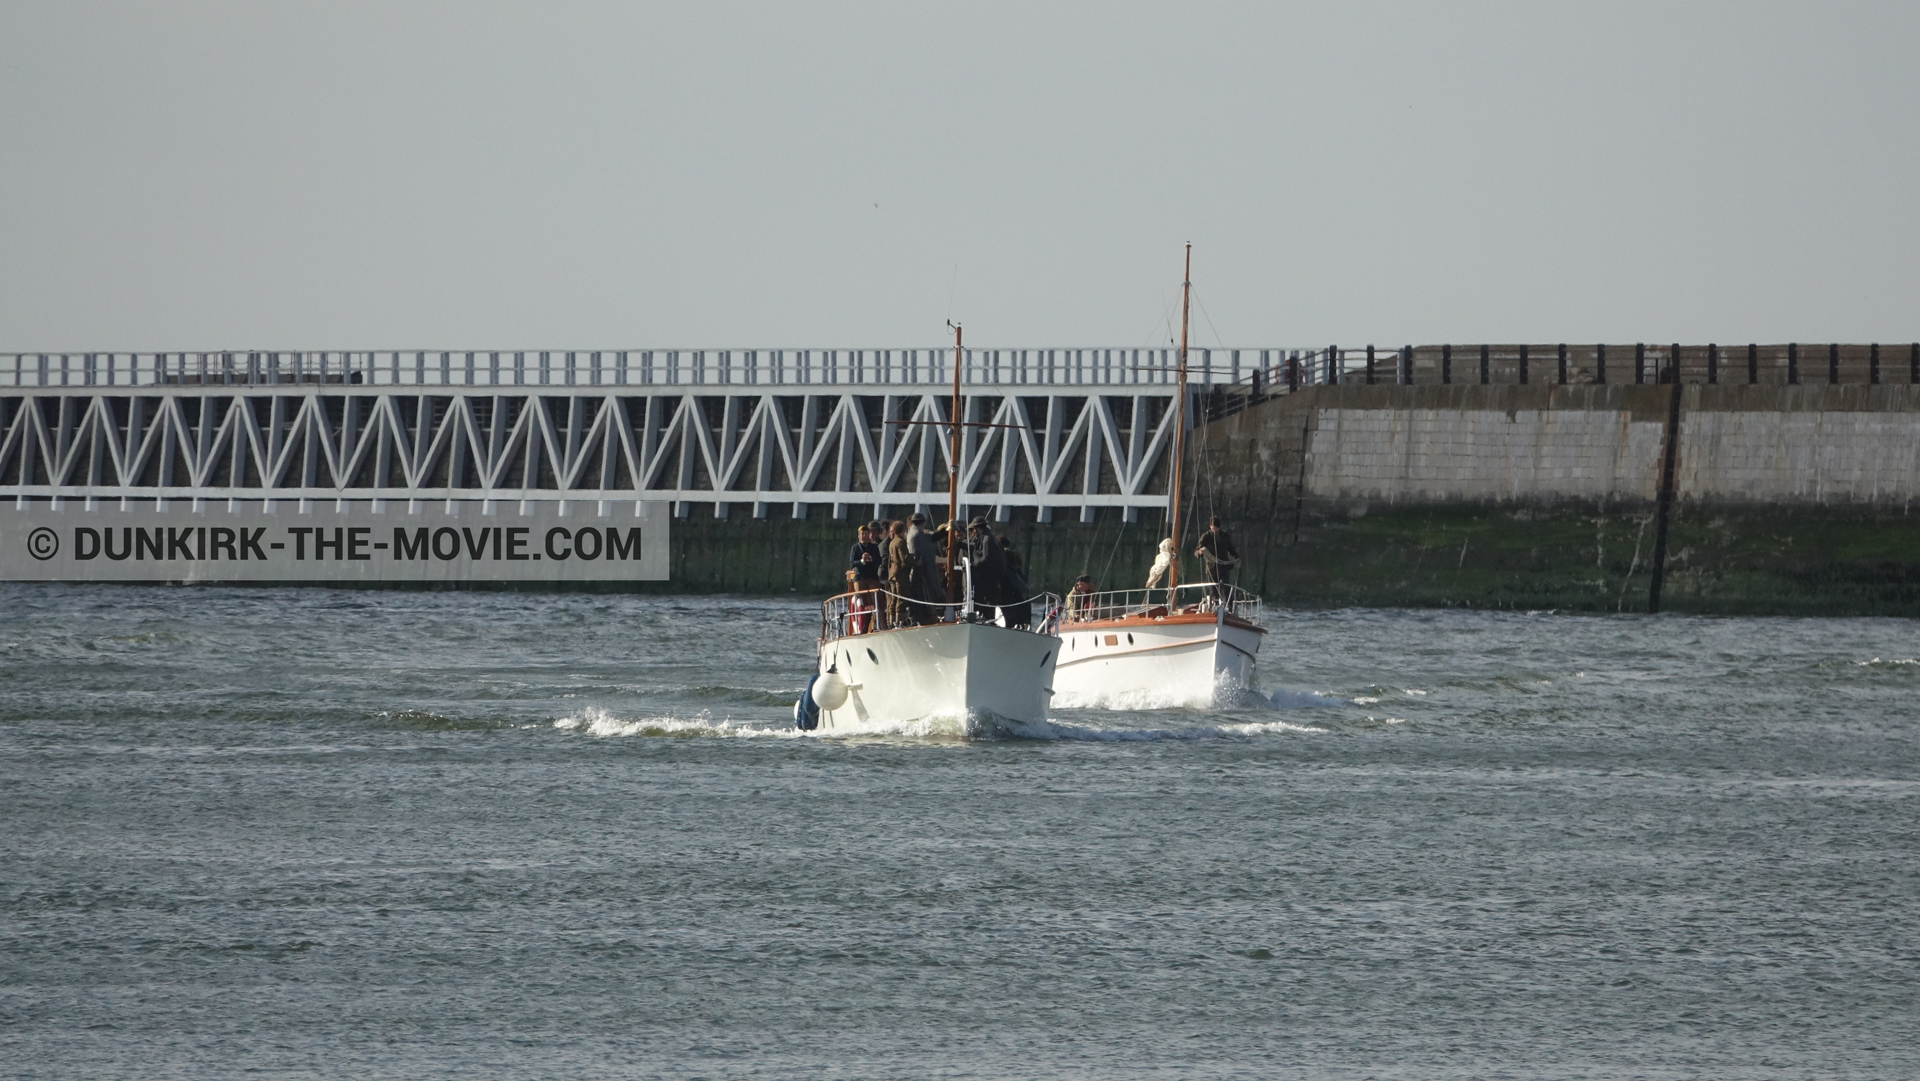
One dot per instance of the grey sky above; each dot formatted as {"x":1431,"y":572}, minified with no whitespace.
{"x":332,"y":176}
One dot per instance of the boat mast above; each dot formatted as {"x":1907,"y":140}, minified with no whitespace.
{"x":1179,"y":430}
{"x":953,"y":470}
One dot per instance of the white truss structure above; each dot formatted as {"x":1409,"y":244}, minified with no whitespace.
{"x":848,"y":368}
{"x":1051,"y":448}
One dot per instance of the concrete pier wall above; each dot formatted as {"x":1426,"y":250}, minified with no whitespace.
{"x":1788,"y":499}
{"x":1798,"y":445}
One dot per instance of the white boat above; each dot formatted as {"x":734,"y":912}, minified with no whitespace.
{"x":1189,"y":644}
{"x":961,"y":665}
{"x":981,"y":678}
{"x":1151,"y":649}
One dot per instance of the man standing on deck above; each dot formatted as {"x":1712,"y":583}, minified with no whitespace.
{"x":989,"y":566}
{"x":865,"y":561}
{"x":926,"y":579}
{"x":901,"y":566}
{"x":1014,"y":563}
{"x":1221,"y":556}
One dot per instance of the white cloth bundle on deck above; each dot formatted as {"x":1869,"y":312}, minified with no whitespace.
{"x":1161,"y":563}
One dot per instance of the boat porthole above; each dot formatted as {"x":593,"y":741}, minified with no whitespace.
{"x":871,"y":657}
{"x":1044,"y":656}
{"x":1129,"y":639}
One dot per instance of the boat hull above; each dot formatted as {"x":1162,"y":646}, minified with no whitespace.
{"x":981,"y":676}
{"x":1146,"y":663}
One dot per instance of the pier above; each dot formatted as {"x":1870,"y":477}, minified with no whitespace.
{"x":764,"y":431}
{"x":1620,"y":477}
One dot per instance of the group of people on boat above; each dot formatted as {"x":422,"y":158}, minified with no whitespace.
{"x":898,"y":573}
{"x":1216,"y":550}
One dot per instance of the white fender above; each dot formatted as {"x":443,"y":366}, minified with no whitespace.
{"x":830,"y":690}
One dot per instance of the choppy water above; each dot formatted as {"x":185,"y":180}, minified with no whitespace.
{"x":310,"y":833}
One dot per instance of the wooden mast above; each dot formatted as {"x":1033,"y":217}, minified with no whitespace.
{"x":953,"y":473}
{"x":1179,"y":430}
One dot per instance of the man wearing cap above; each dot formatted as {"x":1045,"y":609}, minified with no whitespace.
{"x":989,"y":564}
{"x":1080,"y":598}
{"x":900,"y":574}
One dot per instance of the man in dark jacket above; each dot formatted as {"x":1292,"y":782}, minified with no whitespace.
{"x":926,"y":583}
{"x":1014,"y":562}
{"x":1014,"y":577}
{"x":1216,"y":547}
{"x":994,"y":583}
{"x":865,"y":562}
{"x":865,"y":559}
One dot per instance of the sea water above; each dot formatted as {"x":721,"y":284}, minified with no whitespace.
{"x":311,"y":833}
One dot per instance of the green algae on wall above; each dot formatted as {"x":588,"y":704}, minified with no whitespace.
{"x":1749,"y":561}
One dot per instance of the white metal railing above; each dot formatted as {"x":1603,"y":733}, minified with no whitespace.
{"x":1187,"y":597}
{"x":865,"y":611}
{"x":636,"y":367}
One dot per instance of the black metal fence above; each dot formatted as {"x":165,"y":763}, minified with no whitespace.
{"x":1561,"y":363}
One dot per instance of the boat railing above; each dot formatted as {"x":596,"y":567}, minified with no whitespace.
{"x":866,"y":610}
{"x":1207,"y":597}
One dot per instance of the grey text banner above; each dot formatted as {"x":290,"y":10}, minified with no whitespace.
{"x":534,"y":542}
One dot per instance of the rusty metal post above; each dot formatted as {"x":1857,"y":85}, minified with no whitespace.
{"x":1664,"y":509}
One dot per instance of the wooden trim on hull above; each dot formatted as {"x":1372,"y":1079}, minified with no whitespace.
{"x":1124,"y":622}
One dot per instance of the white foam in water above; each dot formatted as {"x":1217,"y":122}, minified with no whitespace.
{"x":937,"y":726}
{"x":1291,"y":699}
{"x":1225,"y":694}
{"x":1149,"y":698}
{"x":1061,"y":731}
{"x":594,"y":721}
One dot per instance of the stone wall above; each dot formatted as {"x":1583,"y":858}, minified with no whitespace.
{"x":1791,"y":499}
{"x":1553,"y":444}
{"x":1494,"y":443}
{"x":1799,"y":445}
